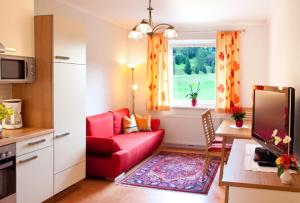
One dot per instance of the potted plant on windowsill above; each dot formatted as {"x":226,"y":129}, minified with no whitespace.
{"x":238,"y":115}
{"x":285,"y":161}
{"x":4,"y":113}
{"x":193,"y":95}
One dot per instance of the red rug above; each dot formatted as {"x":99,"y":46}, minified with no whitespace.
{"x":174,"y":171}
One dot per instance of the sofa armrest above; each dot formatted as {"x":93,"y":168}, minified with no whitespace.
{"x":155,"y":124}
{"x":100,"y":145}
{"x":120,"y":160}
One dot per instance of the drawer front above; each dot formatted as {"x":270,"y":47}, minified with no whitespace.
{"x":69,"y":177}
{"x":35,"y":176}
{"x":34,"y":144}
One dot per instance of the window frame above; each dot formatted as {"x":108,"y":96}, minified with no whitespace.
{"x":187,"y":43}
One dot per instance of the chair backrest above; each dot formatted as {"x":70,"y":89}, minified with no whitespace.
{"x":208,"y":128}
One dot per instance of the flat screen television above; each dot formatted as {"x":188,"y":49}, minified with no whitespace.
{"x":273,"y":109}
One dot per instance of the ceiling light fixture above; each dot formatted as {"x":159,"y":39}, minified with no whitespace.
{"x":147,"y":27}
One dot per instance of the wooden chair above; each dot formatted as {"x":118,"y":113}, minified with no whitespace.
{"x":213,"y":146}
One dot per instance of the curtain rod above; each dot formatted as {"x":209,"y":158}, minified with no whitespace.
{"x":209,"y":31}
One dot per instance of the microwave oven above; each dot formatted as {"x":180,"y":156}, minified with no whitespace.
{"x":16,"y":69}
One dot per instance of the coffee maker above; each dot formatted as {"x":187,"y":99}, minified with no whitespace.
{"x":14,"y":121}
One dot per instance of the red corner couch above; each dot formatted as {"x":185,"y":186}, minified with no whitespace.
{"x":109,"y":151}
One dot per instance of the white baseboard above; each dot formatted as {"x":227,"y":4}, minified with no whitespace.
{"x":183,"y":146}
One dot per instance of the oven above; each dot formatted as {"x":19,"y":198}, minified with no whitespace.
{"x":8,"y":173}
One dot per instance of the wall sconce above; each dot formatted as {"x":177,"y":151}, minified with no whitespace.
{"x":133,"y":86}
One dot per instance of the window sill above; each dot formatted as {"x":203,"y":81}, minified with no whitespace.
{"x":186,"y":104}
{"x":201,"y":107}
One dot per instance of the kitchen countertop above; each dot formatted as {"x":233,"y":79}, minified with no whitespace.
{"x":17,"y":135}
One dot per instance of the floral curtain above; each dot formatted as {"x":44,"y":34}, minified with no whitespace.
{"x":158,"y":97}
{"x":228,"y":70}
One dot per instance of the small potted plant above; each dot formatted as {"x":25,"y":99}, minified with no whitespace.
{"x":4,"y":113}
{"x":238,"y":115}
{"x":285,"y":161}
{"x":193,"y":95}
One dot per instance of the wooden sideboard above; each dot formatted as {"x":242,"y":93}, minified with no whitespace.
{"x":252,"y":186}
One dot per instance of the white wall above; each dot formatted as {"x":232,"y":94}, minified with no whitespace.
{"x":183,"y":126}
{"x":285,"y":51}
{"x":106,"y":55}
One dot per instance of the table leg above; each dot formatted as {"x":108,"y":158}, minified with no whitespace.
{"x":222,"y":159}
{"x":226,"y":194}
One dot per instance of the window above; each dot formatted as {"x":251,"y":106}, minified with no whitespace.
{"x":193,"y":62}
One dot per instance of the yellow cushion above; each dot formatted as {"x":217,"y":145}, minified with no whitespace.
{"x":143,"y":123}
{"x":129,"y":124}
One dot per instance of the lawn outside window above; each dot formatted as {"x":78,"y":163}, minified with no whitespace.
{"x":190,"y":62}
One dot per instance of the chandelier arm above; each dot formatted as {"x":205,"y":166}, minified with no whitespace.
{"x":157,"y":27}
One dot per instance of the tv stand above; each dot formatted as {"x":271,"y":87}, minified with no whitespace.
{"x":264,"y":157}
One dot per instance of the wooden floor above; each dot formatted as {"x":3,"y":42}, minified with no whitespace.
{"x":102,"y":191}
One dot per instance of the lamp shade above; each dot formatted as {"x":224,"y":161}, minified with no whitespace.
{"x":170,"y":32}
{"x":134,"y":34}
{"x":144,"y":27}
{"x":132,"y":65}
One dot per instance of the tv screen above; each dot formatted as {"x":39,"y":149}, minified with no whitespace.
{"x":273,"y":112}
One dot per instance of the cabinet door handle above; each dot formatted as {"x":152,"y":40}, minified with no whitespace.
{"x":62,"y":135}
{"x":29,"y":159}
{"x":62,"y":57}
{"x":36,"y":142}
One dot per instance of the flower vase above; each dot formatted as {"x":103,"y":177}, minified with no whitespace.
{"x":239,"y":123}
{"x":194,"y":102}
{"x":286,"y":177}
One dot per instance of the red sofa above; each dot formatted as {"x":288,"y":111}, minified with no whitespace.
{"x":109,"y":151}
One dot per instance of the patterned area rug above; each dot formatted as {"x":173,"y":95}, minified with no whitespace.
{"x":174,"y":171}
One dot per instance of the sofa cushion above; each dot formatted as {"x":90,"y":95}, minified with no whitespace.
{"x":118,"y":120}
{"x":100,"y":125}
{"x":143,"y":123}
{"x":155,"y":123}
{"x":99,"y":145}
{"x":129,"y":124}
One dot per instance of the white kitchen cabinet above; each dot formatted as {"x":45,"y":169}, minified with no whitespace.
{"x":17,"y":26}
{"x":34,"y":144}
{"x":69,"y":177}
{"x":69,"y":84}
{"x":69,"y":41}
{"x":61,"y":55}
{"x":69,"y":115}
{"x":35,"y":176}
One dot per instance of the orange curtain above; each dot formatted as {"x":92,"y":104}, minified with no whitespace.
{"x":158,"y":97}
{"x":228,"y":70}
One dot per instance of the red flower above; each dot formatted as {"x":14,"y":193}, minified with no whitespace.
{"x":221,"y":56}
{"x":221,"y":88}
{"x":286,"y":161}
{"x":236,"y":109}
{"x":236,"y":65}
